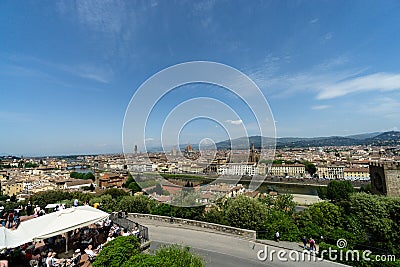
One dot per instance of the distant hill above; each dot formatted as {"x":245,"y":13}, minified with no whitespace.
{"x":386,"y":138}
{"x":376,"y":139}
{"x":364,"y":136}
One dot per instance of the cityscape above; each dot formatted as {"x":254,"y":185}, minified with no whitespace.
{"x":22,"y":177}
{"x":199,"y":133}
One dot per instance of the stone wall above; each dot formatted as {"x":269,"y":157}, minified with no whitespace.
{"x":211,"y":226}
{"x":392,"y":174}
{"x":385,"y":178}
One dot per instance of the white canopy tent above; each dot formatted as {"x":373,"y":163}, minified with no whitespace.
{"x":51,"y":225}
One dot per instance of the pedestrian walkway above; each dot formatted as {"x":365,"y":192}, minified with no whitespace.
{"x":297,"y":246}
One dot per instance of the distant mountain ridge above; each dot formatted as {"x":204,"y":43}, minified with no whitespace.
{"x":376,"y":139}
{"x":390,"y":138}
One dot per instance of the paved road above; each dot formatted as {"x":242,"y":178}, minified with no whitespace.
{"x":219,"y":249}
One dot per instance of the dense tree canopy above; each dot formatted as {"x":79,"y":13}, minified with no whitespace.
{"x":132,"y":184}
{"x":50,"y":197}
{"x":339,"y":190}
{"x":247,"y":213}
{"x":117,"y":252}
{"x":310,"y":167}
{"x":125,"y":251}
{"x":83,"y":176}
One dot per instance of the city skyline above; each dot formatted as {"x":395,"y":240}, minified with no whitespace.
{"x":69,"y":69}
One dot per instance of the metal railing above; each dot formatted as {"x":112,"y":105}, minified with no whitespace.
{"x":131,"y":225}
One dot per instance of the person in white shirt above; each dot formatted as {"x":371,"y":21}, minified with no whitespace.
{"x":90,"y":252}
{"x":126,"y":233}
{"x":49,"y":260}
{"x":36,"y":211}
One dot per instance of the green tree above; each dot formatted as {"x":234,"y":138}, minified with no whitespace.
{"x":171,"y":256}
{"x":115,"y":193}
{"x":107,"y":202}
{"x":128,"y":181}
{"x":131,"y":184}
{"x":49,"y":197}
{"x":374,"y":214}
{"x":76,"y":175}
{"x":366,"y":188}
{"x":280,"y":221}
{"x":215,"y":215}
{"x":134,"y":187}
{"x":31,"y":165}
{"x":247,"y":213}
{"x":285,"y":203}
{"x":162,"y":209}
{"x":118,"y":251}
{"x":309,"y":167}
{"x":339,"y":190}
{"x":193,"y":213}
{"x":319,"y":218}
{"x":176,"y":256}
{"x":158,"y":189}
{"x":143,"y":260}
{"x":81,"y":196}
{"x":137,"y":204}
{"x":90,"y":176}
{"x":322,"y":191}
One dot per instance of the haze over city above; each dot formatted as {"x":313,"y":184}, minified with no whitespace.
{"x":69,"y":69}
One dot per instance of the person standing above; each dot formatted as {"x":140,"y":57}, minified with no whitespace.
{"x":304,"y":240}
{"x":29,"y":209}
{"x":10,"y":219}
{"x":36,"y":211}
{"x":312,"y":244}
{"x":277,"y":236}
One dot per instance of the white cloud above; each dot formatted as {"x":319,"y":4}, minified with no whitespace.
{"x":114,"y":23}
{"x":328,"y":80}
{"x":314,"y":21}
{"x":86,"y":71}
{"x":320,"y":107}
{"x":377,"y":81}
{"x":234,"y":122}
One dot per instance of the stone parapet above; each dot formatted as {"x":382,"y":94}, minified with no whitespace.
{"x":251,"y":234}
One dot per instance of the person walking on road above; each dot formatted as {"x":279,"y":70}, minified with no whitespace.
{"x":277,"y":236}
{"x":304,"y":240}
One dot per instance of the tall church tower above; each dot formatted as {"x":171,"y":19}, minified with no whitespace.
{"x":253,"y":156}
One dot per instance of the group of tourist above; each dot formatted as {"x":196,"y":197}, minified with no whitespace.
{"x":311,"y":241}
{"x":83,"y":241}
{"x":87,"y":240}
{"x":115,"y":231}
{"x":10,"y":218}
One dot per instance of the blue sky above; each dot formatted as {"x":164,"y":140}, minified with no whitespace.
{"x":69,"y":69}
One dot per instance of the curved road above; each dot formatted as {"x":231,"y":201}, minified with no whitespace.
{"x":218,"y":249}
